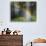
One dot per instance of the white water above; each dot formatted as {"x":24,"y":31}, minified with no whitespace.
{"x":27,"y":12}
{"x":27,"y":15}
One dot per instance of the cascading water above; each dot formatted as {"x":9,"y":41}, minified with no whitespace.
{"x":27,"y":12}
{"x":27,"y":15}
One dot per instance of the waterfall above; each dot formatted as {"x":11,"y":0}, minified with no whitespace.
{"x":27,"y":12}
{"x":27,"y":15}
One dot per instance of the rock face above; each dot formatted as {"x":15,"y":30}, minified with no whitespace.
{"x":11,"y":40}
{"x":39,"y":40}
